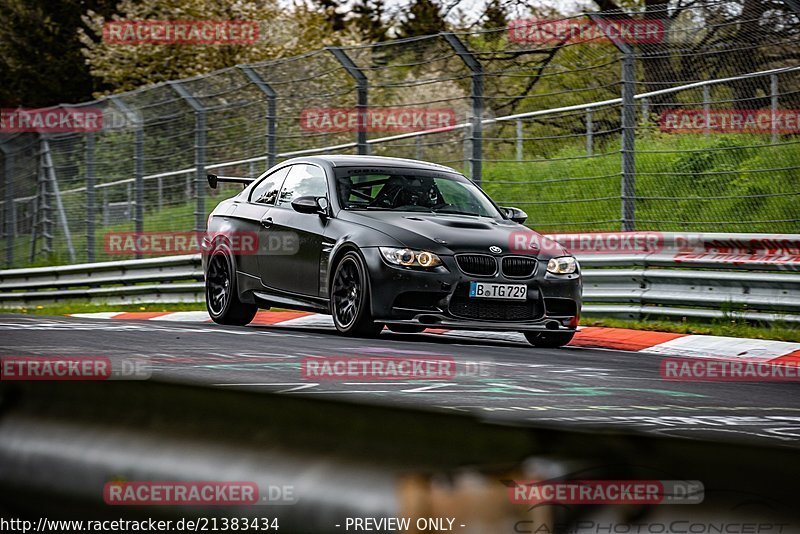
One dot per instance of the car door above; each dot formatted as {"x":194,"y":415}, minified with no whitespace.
{"x":252,"y":211}
{"x":291,"y":262}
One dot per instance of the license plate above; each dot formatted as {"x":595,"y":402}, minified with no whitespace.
{"x":481,"y":290}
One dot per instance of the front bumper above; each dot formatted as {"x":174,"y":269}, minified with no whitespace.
{"x":437,"y":299}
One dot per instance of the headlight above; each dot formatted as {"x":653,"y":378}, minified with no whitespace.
{"x":562,"y":265}
{"x":410,"y":258}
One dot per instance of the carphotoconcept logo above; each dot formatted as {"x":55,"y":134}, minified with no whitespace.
{"x":388,"y":119}
{"x":182,"y":32}
{"x":51,"y":120}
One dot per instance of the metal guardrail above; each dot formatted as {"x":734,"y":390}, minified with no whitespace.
{"x":169,"y":279}
{"x":634,"y":275}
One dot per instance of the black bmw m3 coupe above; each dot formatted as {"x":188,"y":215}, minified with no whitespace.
{"x":377,"y":242}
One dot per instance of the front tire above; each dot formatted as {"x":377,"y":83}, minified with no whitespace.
{"x":350,"y":298}
{"x":222,"y":297}
{"x":549,"y":340}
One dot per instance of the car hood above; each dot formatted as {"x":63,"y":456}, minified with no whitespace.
{"x":448,"y":234}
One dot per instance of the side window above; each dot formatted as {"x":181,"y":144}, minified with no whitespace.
{"x":303,"y":181}
{"x":266,"y":192}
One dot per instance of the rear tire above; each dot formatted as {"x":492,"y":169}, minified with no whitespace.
{"x":350,"y":298}
{"x":222,"y":296}
{"x":550,"y":340}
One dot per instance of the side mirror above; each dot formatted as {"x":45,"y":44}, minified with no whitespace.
{"x":516,"y":215}
{"x":308,"y":205}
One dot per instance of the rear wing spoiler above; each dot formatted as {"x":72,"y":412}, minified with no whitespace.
{"x":213,"y":179}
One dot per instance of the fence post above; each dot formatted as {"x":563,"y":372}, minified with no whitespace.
{"x":628,"y":119}
{"x":519,"y":139}
{"x":271,"y":95}
{"x":138,"y":165}
{"x":468,"y":146}
{"x":589,"y":131}
{"x":199,"y":152}
{"x":90,"y":197}
{"x":105,"y":206}
{"x":10,"y":225}
{"x":129,"y":200}
{"x":706,"y":108}
{"x":773,"y":94}
{"x":418,"y":147}
{"x":50,"y":174}
{"x":362,"y":90}
{"x":476,"y":69}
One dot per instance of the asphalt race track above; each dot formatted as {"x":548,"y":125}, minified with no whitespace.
{"x":573,"y":387}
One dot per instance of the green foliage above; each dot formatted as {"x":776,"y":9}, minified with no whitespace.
{"x":424,"y":17}
{"x":734,"y":183}
{"x":40,"y":54}
{"x":283,"y":32}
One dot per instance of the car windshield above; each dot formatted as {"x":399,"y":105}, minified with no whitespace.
{"x":411,"y":190}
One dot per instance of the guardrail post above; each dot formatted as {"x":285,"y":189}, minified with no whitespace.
{"x":362,"y":92}
{"x":90,"y":197}
{"x":138,"y":165}
{"x":628,"y":119}
{"x":272,"y":96}
{"x":476,"y":69}
{"x":10,"y":211}
{"x":199,"y":152}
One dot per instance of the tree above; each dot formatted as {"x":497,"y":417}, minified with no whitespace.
{"x":425,"y":17}
{"x":333,"y":14}
{"x":369,"y":21}
{"x":40,"y":53}
{"x":121,"y":67}
{"x":495,"y":16}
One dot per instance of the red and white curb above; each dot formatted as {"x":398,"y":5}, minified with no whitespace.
{"x":664,"y":343}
